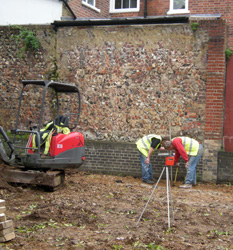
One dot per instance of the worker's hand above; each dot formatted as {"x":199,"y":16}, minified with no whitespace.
{"x":177,"y":164}
{"x":162,"y":148}
{"x":187,"y":165}
{"x":147,"y":160}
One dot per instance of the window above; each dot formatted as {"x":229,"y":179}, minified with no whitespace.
{"x":178,"y":7}
{"x":117,"y":6}
{"x":90,"y":4}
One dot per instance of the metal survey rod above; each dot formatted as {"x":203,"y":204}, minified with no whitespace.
{"x":150,"y":197}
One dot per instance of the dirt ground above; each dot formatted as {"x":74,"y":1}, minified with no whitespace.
{"x":92,"y":211}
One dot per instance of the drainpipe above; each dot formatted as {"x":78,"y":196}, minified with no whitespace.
{"x":68,"y":7}
{"x":145,"y":9}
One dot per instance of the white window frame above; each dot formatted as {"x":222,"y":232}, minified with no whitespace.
{"x":113,"y":10}
{"x":178,"y":11}
{"x":85,"y":2}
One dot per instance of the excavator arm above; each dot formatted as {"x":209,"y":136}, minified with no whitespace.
{"x":10,"y":157}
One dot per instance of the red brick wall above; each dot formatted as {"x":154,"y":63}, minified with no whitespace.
{"x":228,"y":119}
{"x":215,"y":78}
{"x":157,"y":7}
{"x":225,"y":7}
{"x":82,"y":11}
{"x":154,"y":8}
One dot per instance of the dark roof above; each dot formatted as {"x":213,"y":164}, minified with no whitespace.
{"x":124,"y":21}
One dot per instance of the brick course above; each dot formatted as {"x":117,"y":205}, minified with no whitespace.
{"x":225,"y":167}
{"x":123,"y":159}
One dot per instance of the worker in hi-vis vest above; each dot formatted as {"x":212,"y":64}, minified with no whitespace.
{"x":191,"y":151}
{"x":146,"y":146}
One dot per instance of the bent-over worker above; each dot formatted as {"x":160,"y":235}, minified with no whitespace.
{"x":191,"y":151}
{"x":146,"y":146}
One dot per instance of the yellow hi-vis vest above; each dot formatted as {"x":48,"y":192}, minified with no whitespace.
{"x":191,"y":146}
{"x":47,"y":136}
{"x":144,"y":143}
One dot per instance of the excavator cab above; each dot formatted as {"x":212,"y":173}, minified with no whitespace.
{"x":45,"y":138}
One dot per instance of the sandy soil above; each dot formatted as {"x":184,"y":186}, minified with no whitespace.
{"x":92,"y":211}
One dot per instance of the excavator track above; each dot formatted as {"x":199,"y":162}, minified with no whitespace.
{"x":50,"y":180}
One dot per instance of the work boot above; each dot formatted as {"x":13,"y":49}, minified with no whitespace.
{"x":152,"y":179}
{"x":186,"y":186}
{"x":149,"y":181}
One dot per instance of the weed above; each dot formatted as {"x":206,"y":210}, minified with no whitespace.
{"x":228,"y":53}
{"x":93,"y":216}
{"x":139,"y":245}
{"x":221,"y":233}
{"x":27,"y":40}
{"x":117,"y":247}
{"x":84,"y":211}
{"x":131,"y":212}
{"x":34,"y":228}
{"x":18,"y":217}
{"x":101,"y":225}
{"x":170,"y":230}
{"x":194,"y":26}
{"x":83,"y":226}
{"x":153,"y":246}
{"x":53,"y":225}
{"x":33,"y":206}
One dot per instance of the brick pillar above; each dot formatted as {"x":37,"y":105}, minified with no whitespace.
{"x":228,"y":119}
{"x":214,"y":97}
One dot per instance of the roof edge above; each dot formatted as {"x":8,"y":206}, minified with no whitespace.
{"x":124,"y":21}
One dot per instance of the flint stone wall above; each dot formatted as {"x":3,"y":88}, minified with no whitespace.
{"x":134,"y":80}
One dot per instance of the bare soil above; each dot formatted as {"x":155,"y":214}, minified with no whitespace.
{"x":93,"y":211}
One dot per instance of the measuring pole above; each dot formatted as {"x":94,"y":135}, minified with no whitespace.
{"x":170,"y":132}
{"x":168,"y":208}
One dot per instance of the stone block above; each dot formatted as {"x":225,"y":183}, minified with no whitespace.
{"x":2,"y":210}
{"x":7,"y":237}
{"x":6,"y":231}
{"x":6,"y":224}
{"x":2,"y":203}
{"x":2,"y":217}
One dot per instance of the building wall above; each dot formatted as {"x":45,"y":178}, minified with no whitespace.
{"x":160,"y":8}
{"x":134,"y":80}
{"x":169,"y":73}
{"x":30,"y":12}
{"x":215,"y":7}
{"x":83,"y":11}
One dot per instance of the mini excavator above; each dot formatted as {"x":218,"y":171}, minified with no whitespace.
{"x":39,"y":153}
